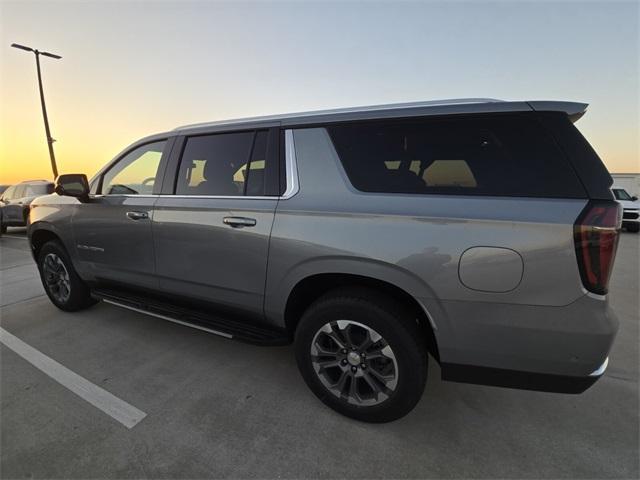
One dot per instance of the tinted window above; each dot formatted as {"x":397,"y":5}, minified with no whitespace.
{"x":225,"y":164}
{"x":499,"y":155}
{"x":135,"y":173}
{"x":621,"y":194}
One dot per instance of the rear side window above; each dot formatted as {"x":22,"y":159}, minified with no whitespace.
{"x":19,"y":193}
{"x":223,"y":164}
{"x":39,"y":189}
{"x":498,"y":155}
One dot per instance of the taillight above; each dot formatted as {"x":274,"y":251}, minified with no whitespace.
{"x":596,"y":239}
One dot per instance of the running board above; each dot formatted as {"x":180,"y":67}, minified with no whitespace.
{"x":223,"y":327}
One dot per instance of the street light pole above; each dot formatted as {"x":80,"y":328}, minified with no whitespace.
{"x":50,"y":140}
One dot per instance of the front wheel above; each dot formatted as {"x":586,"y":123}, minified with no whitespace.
{"x":61,"y":283}
{"x":362,"y":354}
{"x":633,"y":227}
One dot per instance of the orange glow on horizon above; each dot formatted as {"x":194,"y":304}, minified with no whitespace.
{"x":85,"y":148}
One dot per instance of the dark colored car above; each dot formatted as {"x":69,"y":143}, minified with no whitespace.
{"x":16,"y":199}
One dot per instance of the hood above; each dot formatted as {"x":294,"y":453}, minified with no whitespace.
{"x":629,"y":203}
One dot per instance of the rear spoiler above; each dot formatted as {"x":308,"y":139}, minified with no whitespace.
{"x":574,"y":110}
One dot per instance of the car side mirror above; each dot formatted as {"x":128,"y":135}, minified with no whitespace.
{"x":73,"y":185}
{"x":634,"y":198}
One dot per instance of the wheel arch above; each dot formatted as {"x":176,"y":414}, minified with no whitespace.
{"x":312,"y":287}
{"x":38,"y":236}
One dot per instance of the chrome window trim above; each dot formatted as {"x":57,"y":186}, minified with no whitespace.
{"x":101,"y":195}
{"x":222,"y":197}
{"x":170,"y":195}
{"x":291,"y":166}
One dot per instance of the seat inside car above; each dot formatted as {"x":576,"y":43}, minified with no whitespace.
{"x":218,"y":179}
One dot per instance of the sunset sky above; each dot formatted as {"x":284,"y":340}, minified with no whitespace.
{"x":130,"y":69}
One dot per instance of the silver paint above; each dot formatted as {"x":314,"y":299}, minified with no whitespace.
{"x":490,"y":269}
{"x":545,"y":322}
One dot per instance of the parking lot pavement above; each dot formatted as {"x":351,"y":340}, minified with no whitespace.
{"x":219,"y":408}
{"x":20,"y":279}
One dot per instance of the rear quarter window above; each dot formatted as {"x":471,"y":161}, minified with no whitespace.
{"x":510,"y":155}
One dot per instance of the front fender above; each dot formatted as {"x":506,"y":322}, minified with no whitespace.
{"x":55,"y":217}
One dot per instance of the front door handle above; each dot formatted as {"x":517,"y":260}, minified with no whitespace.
{"x":239,"y":222}
{"x":138,"y":215}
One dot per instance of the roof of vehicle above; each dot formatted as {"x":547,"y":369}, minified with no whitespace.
{"x":34,"y":181}
{"x":435,"y":107}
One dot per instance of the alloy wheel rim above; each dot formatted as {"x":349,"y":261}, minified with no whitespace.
{"x":354,"y":362}
{"x":56,"y":277}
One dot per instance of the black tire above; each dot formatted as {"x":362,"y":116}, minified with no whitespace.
{"x":3,"y":228}
{"x":633,"y":227}
{"x":399,"y":331}
{"x":79,"y":296}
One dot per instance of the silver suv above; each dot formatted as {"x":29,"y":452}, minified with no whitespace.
{"x":481,"y":232}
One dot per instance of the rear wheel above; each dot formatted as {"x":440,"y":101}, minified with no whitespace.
{"x":61,"y":283}
{"x":362,"y":355}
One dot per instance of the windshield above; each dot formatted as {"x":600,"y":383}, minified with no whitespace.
{"x":621,"y":194}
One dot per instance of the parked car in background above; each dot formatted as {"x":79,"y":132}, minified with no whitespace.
{"x":630,"y":209}
{"x":480,"y":231}
{"x":16,"y":200}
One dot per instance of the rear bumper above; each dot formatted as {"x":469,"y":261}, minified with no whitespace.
{"x":559,"y":349}
{"x":521,"y":380}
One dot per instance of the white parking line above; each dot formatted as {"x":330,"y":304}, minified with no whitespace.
{"x":126,"y":414}
{"x":13,"y":236}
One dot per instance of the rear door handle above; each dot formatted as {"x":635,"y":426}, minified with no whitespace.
{"x":239,"y":222}
{"x":137,"y":215}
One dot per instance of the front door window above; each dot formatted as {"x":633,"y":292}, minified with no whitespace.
{"x":136,"y":172}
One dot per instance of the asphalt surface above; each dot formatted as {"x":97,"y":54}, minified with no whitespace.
{"x":217,"y":408}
